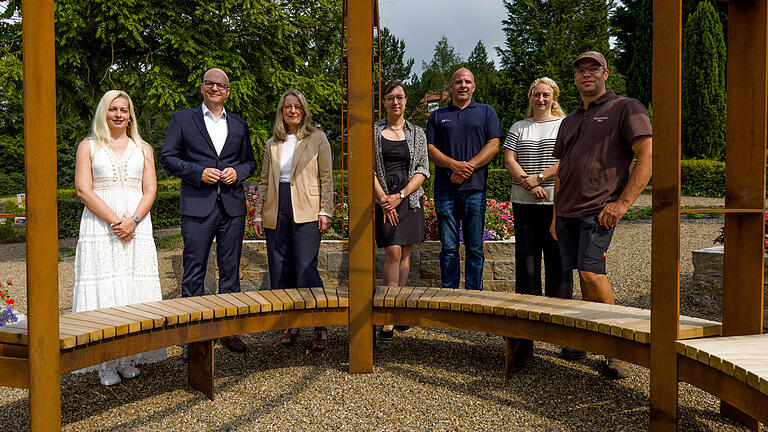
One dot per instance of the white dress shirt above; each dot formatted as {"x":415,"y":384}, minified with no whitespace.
{"x":217,"y":128}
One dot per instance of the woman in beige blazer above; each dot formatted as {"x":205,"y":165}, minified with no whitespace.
{"x":294,"y":204}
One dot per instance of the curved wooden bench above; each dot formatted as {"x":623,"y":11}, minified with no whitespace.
{"x":617,"y":331}
{"x":733,"y":368}
{"x":89,"y":338}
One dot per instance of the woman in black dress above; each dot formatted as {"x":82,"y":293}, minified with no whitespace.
{"x":400,"y":150}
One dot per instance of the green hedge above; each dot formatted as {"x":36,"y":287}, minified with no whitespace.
{"x":165,"y":212}
{"x":700,"y":177}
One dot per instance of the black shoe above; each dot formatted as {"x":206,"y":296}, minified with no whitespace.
{"x":403,"y":329}
{"x":386,"y":335}
{"x":572,"y":354}
{"x":184,"y":354}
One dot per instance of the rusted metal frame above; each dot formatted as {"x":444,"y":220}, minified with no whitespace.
{"x":720,"y":210}
{"x":665,"y":232}
{"x":739,"y":394}
{"x":625,"y":349}
{"x":14,"y":372}
{"x":360,"y":163}
{"x":198,"y":331}
{"x":42,"y":233}
{"x":745,"y":175}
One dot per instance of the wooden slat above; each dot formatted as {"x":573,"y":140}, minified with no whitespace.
{"x":284,"y":298}
{"x":296,"y":298}
{"x":146,"y":323}
{"x":379,"y":294}
{"x":320,"y":298}
{"x":157,"y":320}
{"x":333,"y":299}
{"x":112,"y":319}
{"x":447,"y":300}
{"x":402,"y":298}
{"x":95,"y":334}
{"x":165,"y":306}
{"x":98,"y":331}
{"x":171,"y":318}
{"x":243,"y":308}
{"x":389,"y":299}
{"x":274,"y":300}
{"x":343,"y":294}
{"x":14,"y":336}
{"x":309,"y":299}
{"x":266,"y":305}
{"x":87,"y":320}
{"x":434,"y":301}
{"x":229,"y":308}
{"x":423,"y":302}
{"x":206,"y":304}
{"x":487,"y":303}
{"x":413,"y":299}
{"x":196,"y":311}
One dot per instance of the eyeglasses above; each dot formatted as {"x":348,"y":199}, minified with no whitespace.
{"x":390,"y":99}
{"x":296,"y":107}
{"x":592,"y":70}
{"x":220,"y":86}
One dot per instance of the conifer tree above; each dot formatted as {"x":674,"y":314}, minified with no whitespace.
{"x":633,"y":28}
{"x":704,"y":97}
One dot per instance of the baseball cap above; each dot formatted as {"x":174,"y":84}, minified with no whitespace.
{"x":594,"y":55}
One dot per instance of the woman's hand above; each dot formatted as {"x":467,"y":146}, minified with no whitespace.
{"x":390,"y":202}
{"x":538,"y":193}
{"x":258,"y":226}
{"x":323,"y":223}
{"x":529,"y":182}
{"x":124,"y":229}
{"x":391,"y":217}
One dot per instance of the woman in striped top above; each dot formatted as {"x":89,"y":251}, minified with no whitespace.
{"x":528,"y":158}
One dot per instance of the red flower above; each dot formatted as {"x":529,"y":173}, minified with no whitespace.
{"x":9,"y":301}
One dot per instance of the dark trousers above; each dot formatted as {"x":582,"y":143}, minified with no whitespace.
{"x":292,"y":248}
{"x":532,"y":237}
{"x":198,"y":234}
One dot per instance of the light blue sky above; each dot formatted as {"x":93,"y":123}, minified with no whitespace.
{"x":422,"y":22}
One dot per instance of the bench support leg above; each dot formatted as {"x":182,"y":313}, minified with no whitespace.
{"x":200,"y":367}
{"x":517,"y":354}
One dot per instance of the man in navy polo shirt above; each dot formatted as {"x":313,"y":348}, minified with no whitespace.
{"x":462,"y":138}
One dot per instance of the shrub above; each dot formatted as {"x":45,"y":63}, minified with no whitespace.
{"x":701,"y":177}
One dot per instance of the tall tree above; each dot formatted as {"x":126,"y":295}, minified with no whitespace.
{"x":704,"y":97}
{"x":486,"y":75}
{"x":542,"y":39}
{"x":393,"y":63}
{"x":632,"y":24}
{"x":435,"y":77}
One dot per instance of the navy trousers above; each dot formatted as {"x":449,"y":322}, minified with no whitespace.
{"x":292,"y":248}
{"x":198,"y":234}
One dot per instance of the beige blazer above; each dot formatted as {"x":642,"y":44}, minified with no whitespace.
{"x":311,"y":180}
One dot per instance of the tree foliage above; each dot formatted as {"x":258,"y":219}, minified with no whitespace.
{"x":632,"y":24}
{"x":542,"y":39}
{"x":157,"y":51}
{"x":704,"y":97}
{"x":393,"y":63}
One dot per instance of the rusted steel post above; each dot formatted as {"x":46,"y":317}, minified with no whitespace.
{"x":42,"y":235}
{"x":745,"y":174}
{"x":665,"y":261}
{"x":361,"y":259}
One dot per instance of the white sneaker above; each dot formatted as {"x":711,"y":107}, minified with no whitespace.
{"x":128,"y":371}
{"x":109,"y":377}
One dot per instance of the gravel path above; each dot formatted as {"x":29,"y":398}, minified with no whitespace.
{"x":427,"y":379}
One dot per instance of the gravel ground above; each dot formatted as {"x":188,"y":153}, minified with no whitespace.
{"x":426,"y":380}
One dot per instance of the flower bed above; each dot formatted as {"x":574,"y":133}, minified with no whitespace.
{"x":498,"y":219}
{"x":6,"y":313}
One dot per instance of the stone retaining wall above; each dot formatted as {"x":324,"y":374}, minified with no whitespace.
{"x":498,"y":271}
{"x":708,"y":273}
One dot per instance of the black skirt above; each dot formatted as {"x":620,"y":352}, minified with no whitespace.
{"x":410,"y":228}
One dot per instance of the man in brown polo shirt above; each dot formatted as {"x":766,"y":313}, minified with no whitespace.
{"x":594,"y":186}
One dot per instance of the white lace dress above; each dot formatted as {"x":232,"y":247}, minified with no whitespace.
{"x":108,"y":271}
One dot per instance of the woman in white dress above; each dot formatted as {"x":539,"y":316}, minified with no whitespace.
{"x":116,"y":259}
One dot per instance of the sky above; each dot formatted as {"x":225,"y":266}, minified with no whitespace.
{"x":421,"y":23}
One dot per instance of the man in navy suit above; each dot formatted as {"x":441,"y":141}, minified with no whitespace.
{"x":210,"y":151}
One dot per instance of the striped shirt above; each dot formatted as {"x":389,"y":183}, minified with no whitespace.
{"x":533,"y":141}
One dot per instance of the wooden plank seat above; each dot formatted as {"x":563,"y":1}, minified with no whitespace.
{"x":89,"y":338}
{"x":733,"y":368}
{"x":618,"y":331}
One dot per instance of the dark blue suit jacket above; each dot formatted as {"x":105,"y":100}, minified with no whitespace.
{"x":188,"y":150}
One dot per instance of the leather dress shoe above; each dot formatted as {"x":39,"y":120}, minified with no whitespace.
{"x":234,"y":344}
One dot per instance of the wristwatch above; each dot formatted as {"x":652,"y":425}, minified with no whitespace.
{"x":402,"y":197}
{"x":136,"y":219}
{"x":541,"y":178}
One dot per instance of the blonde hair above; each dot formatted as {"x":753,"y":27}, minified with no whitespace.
{"x":305,"y":127}
{"x":100,"y":129}
{"x":557,"y":110}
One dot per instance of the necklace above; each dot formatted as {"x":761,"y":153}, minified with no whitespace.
{"x":392,"y":128}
